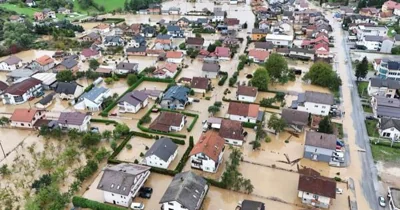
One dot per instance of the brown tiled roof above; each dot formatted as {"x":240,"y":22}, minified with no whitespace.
{"x":317,"y":185}
{"x":321,"y":140}
{"x":174,"y":54}
{"x":165,"y":120}
{"x":309,"y":172}
{"x":104,"y":70}
{"x":231,"y":21}
{"x":231,"y":129}
{"x":44,"y":60}
{"x":247,"y":91}
{"x":259,"y":54}
{"x":296,"y":117}
{"x":195,"y":41}
{"x":210,"y":144}
{"x":243,"y":109}
{"x":21,"y":87}
{"x":23,"y":115}
{"x":199,"y":82}
{"x":3,"y":86}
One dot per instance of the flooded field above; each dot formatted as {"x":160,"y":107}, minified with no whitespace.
{"x":92,"y":192}
{"x":30,"y":55}
{"x":118,"y":87}
{"x":297,"y":86}
{"x":12,"y":137}
{"x":102,"y":126}
{"x":389,"y":173}
{"x":160,"y":184}
{"x":139,"y":145}
{"x":143,"y":61}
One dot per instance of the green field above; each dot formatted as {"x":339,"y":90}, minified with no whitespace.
{"x":385,"y":153}
{"x":23,"y":11}
{"x":109,"y":5}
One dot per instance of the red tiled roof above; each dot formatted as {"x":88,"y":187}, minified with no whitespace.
{"x":199,"y":82}
{"x":88,"y":52}
{"x":231,"y":21}
{"x":222,"y":52}
{"x":44,"y":60}
{"x":259,"y":54}
{"x":22,"y":87}
{"x":174,"y":54}
{"x":102,"y":26}
{"x":165,"y":120}
{"x":247,"y":91}
{"x":23,"y":115}
{"x":231,"y":129}
{"x":243,"y":109}
{"x":210,"y":144}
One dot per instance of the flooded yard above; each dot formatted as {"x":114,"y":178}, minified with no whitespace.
{"x":139,"y":145}
{"x":297,"y":86}
{"x":10,"y":138}
{"x":159,"y":183}
{"x":118,"y":87}
{"x":30,"y":55}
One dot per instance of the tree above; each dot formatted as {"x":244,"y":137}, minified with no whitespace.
{"x":325,"y":126}
{"x":211,"y":48}
{"x":43,"y":181}
{"x":321,"y":74}
{"x":260,"y":79}
{"x":113,"y":145}
{"x":244,"y":25}
{"x":277,"y":124}
{"x":120,"y":130}
{"x":90,"y":74}
{"x":131,"y":79}
{"x":362,"y":69}
{"x":213,"y":109}
{"x":182,"y":46}
{"x":106,"y":135}
{"x":277,"y":68}
{"x":146,"y":119}
{"x":65,"y":76}
{"x":108,"y":80}
{"x":4,"y":170}
{"x":4,"y":121}
{"x":90,"y":139}
{"x":198,"y":35}
{"x":17,"y":35}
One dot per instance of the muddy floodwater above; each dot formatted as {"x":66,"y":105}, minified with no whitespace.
{"x":30,"y":55}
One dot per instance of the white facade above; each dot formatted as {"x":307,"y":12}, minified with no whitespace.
{"x":78,"y":92}
{"x":218,"y":18}
{"x":246,"y":98}
{"x":37,"y":66}
{"x":19,"y":99}
{"x":126,"y":107}
{"x":203,"y":162}
{"x":38,"y":115}
{"x":389,"y":93}
{"x":396,"y":11}
{"x":167,"y":74}
{"x":314,"y":108}
{"x":309,"y":198}
{"x":387,"y":46}
{"x":198,"y":90}
{"x":211,"y":75}
{"x":82,"y":127}
{"x":233,"y":141}
{"x":371,"y":31}
{"x":175,"y":60}
{"x":5,"y":67}
{"x":391,"y":133}
{"x":94,"y":105}
{"x":242,"y":118}
{"x":155,"y":161}
{"x":178,"y":128}
{"x":280,"y":40}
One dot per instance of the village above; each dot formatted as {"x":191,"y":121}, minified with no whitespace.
{"x":201,"y":105}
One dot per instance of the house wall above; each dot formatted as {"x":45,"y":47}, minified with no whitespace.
{"x":317,"y":153}
{"x":155,"y":161}
{"x":175,"y":60}
{"x":19,"y":99}
{"x":386,"y":46}
{"x":197,"y":90}
{"x":242,"y":118}
{"x":218,"y":18}
{"x":310,"y":199}
{"x":246,"y":98}
{"x":5,"y":67}
{"x":83,"y":127}
{"x":391,"y":133}
{"x":167,"y":104}
{"x":206,"y":164}
{"x":314,"y":108}
{"x":38,"y":115}
{"x":233,"y":141}
{"x":173,"y":205}
{"x":211,"y":75}
{"x":128,"y":108}
{"x":39,"y":67}
{"x":180,"y":127}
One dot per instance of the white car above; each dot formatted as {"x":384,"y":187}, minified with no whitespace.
{"x":338,"y":154}
{"x":382,"y":201}
{"x":339,"y":191}
{"x":137,"y":206}
{"x":337,"y":159}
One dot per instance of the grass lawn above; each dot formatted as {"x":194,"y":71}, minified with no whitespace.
{"x":339,"y":128}
{"x":367,"y":108}
{"x":385,"y":153}
{"x":20,"y":10}
{"x":371,"y":128}
{"x":362,"y":89}
{"x":111,"y":5}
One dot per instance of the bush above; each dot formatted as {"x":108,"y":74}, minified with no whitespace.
{"x":163,"y":171}
{"x":86,"y":203}
{"x":144,"y":135}
{"x":193,"y":123}
{"x":119,"y":149}
{"x":218,"y":103}
{"x":338,"y":179}
{"x":267,"y":139}
{"x":249,"y":124}
{"x":136,"y":161}
{"x":208,"y":98}
{"x":177,"y":141}
{"x":129,"y":146}
{"x":159,"y":132}
{"x":141,"y":154}
{"x":104,"y":121}
{"x":146,"y":119}
{"x":221,"y":82}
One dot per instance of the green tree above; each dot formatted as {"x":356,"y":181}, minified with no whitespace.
{"x":4,"y":170}
{"x":107,"y":135}
{"x":211,"y":48}
{"x":182,"y":46}
{"x":277,"y":68}
{"x":131,"y":79}
{"x":213,"y":109}
{"x":113,"y":145}
{"x":325,"y":126}
{"x":17,"y":35}
{"x":65,"y":76}
{"x":108,"y":80}
{"x":120,"y":130}
{"x":321,"y":74}
{"x":93,"y":64}
{"x":90,"y":139}
{"x":4,"y":121}
{"x":146,"y":119}
{"x":260,"y":79}
{"x":362,"y":69}
{"x":277,"y":124}
{"x":43,"y":181}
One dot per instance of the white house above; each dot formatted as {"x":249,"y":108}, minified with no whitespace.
{"x":315,"y":190}
{"x":371,"y":42}
{"x":168,"y":121}
{"x":174,"y":56}
{"x":389,"y":128}
{"x":21,"y":92}
{"x":132,"y":102}
{"x":161,"y":153}
{"x":10,"y":64}
{"x":43,"y":63}
{"x":370,"y":30}
{"x":383,"y":87}
{"x":74,"y":120}
{"x":219,"y":15}
{"x":243,"y":112}
{"x":25,"y":118}
{"x":207,"y":154}
{"x":280,"y":40}
{"x":167,"y":70}
{"x":314,"y":102}
{"x":186,"y":192}
{"x":232,"y":131}
{"x":68,"y":91}
{"x":121,"y":183}
{"x":246,"y":93}
{"x":93,"y":99}
{"x":126,"y":67}
{"x":210,"y":70}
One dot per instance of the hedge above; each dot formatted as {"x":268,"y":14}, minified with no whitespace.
{"x":163,"y":171}
{"x":193,"y":123}
{"x":120,"y":147}
{"x":249,"y":124}
{"x":144,"y":135}
{"x":86,"y":203}
{"x":221,"y":82}
{"x":185,"y":156}
{"x":159,"y":132}
{"x":215,"y":183}
{"x":88,"y":88}
{"x":270,"y":106}
{"x":104,"y":121}
{"x":177,"y":73}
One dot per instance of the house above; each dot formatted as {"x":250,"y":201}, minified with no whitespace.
{"x":322,"y":50}
{"x":194,"y":43}
{"x":74,"y":120}
{"x":16,"y":19}
{"x":174,"y":11}
{"x":269,"y":46}
{"x":154,"y":9}
{"x":136,"y":41}
{"x":243,"y":112}
{"x":383,"y":87}
{"x":168,"y":121}
{"x":183,"y":22}
{"x":258,"y":56}
{"x":11,"y":63}
{"x":223,"y":53}
{"x":38,"y":16}
{"x":161,"y":153}
{"x":264,"y":25}
{"x":3,"y":86}
{"x":167,"y":70}
{"x":174,"y":56}
{"x":232,"y":23}
{"x":104,"y":71}
{"x":132,"y":102}
{"x":126,"y":68}
{"x":210,"y":70}
{"x":219,"y":15}
{"x":18,"y":74}
{"x":175,"y":31}
{"x":63,"y":10}
{"x":257,"y":34}
{"x":232,"y":131}
{"x":371,"y":30}
{"x":314,"y":102}
{"x":319,"y":146}
{"x":43,"y":63}
{"x":385,"y":107}
{"x":121,"y":183}
{"x":369,"y":11}
{"x":200,"y":84}
{"x":113,"y":41}
{"x":390,"y":6}
{"x":316,"y":190}
{"x":176,"y":97}
{"x":302,"y":53}
{"x":148,"y":31}
{"x":371,"y":42}
{"x":102,"y":28}
{"x":48,"y":80}
{"x":389,"y":128}
{"x":49,"y":14}
{"x":207,"y":154}
{"x":93,"y":99}
{"x":30,"y":3}
{"x":89,"y":54}
{"x":295,"y":119}
{"x":68,"y":91}
{"x":386,"y":46}
{"x":138,"y":51}
{"x":92,"y":37}
{"x":280,"y":40}
{"x":246,"y":93}
{"x":163,"y":42}
{"x":252,"y":205}
{"x":26,"y":118}
{"x":133,"y":29}
{"x":22,"y":91}
{"x":67,"y":64}
{"x":389,"y":69}
{"x":186,"y":192}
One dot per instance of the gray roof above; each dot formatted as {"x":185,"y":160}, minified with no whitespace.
{"x":45,"y":100}
{"x":219,"y":13}
{"x":302,"y":50}
{"x":210,"y":67}
{"x":186,"y":188}
{"x":20,"y":73}
{"x":316,"y":97}
{"x":113,"y":39}
{"x":163,"y":148}
{"x":120,"y":178}
{"x":287,"y":13}
{"x":389,"y":83}
{"x":94,"y":93}
{"x":387,"y":107}
{"x":295,"y":117}
{"x":66,"y":88}
{"x":259,"y":31}
{"x":321,"y":140}
{"x":264,"y":45}
{"x":397,"y":37}
{"x":12,"y":60}
{"x":94,"y":35}
{"x":69,"y":63}
{"x":71,"y":118}
{"x":173,"y":28}
{"x":134,"y":98}
{"x":163,"y":36}
{"x":389,"y":123}
{"x":252,"y":205}
{"x":373,"y":38}
{"x":127,"y":66}
{"x":136,"y":49}
{"x":176,"y":93}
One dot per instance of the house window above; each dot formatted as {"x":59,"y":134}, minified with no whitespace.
{"x":22,"y":124}
{"x":315,"y":196}
{"x":316,"y":105}
{"x":322,"y":111}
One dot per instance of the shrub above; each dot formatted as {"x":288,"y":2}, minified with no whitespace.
{"x":267,"y":139}
{"x":136,"y":161}
{"x":141,"y":154}
{"x":249,"y":124}
{"x":129,"y":146}
{"x":86,"y":203}
{"x":338,"y":179}
{"x":185,"y":156}
{"x":218,"y":103}
{"x":221,"y":82}
{"x":208,"y":98}
{"x":146,"y":148}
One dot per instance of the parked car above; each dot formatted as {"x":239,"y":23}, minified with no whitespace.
{"x":145,"y":195}
{"x":337,"y":159}
{"x":338,"y":154}
{"x":382,"y":201}
{"x":370,"y":118}
{"x":196,"y":100}
{"x":338,"y":147}
{"x":339,"y":191}
{"x":146,"y":190}
{"x":137,"y":206}
{"x":340,"y":143}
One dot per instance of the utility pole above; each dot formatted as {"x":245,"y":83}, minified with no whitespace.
{"x":2,"y":150}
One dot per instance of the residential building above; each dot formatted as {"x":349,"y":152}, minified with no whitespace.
{"x":246,"y":93}
{"x":11,"y":63}
{"x":38,"y":16}
{"x":258,"y":56}
{"x":219,"y":15}
{"x":314,"y":102}
{"x":175,"y":31}
{"x":174,"y":11}
{"x":269,"y":46}
{"x":243,"y":112}
{"x":369,"y":11}
{"x":302,"y":53}
{"x":68,"y":91}
{"x":295,"y":119}
{"x":183,"y":22}
{"x":25,"y":118}
{"x":385,"y":107}
{"x":208,"y":152}
{"x":154,"y":9}
{"x":21,"y":92}
{"x":390,"y":7}
{"x":280,"y":40}
{"x":16,"y":19}
{"x":90,"y":53}
{"x":316,"y":191}
{"x":200,"y":84}
{"x":168,"y":122}
{"x":167,"y":70}
{"x":386,"y":46}
{"x":67,"y":64}
{"x":371,"y":42}
{"x":163,"y":42}
{"x":319,"y":146}
{"x":232,"y":23}
{"x":45,"y":102}
{"x":322,"y":50}
{"x":252,"y":205}
{"x":161,"y":153}
{"x":43,"y":63}
{"x":92,"y":37}
{"x":383,"y":87}
{"x":389,"y":69}
{"x":148,"y":31}
{"x":49,"y":14}
{"x":30,"y":3}
{"x":48,"y":80}
{"x":126,"y":68}
{"x":121,"y":183}
{"x":389,"y":128}
{"x":194,"y":43}
{"x":19,"y":74}
{"x":176,"y":97}
{"x":132,"y":102}
{"x":3,"y":86}
{"x":223,"y":53}
{"x":371,"y":30}
{"x":232,"y":131}
{"x":93,"y":99}
{"x":210,"y":70}
{"x":74,"y":120}
{"x":257,"y":34}
{"x":137,"y":41}
{"x":102,"y":28}
{"x":138,"y":51}
{"x":186,"y":192}
{"x":174,"y":56}
{"x":63,"y":10}
{"x":105,"y":71}
{"x":113,"y":41}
